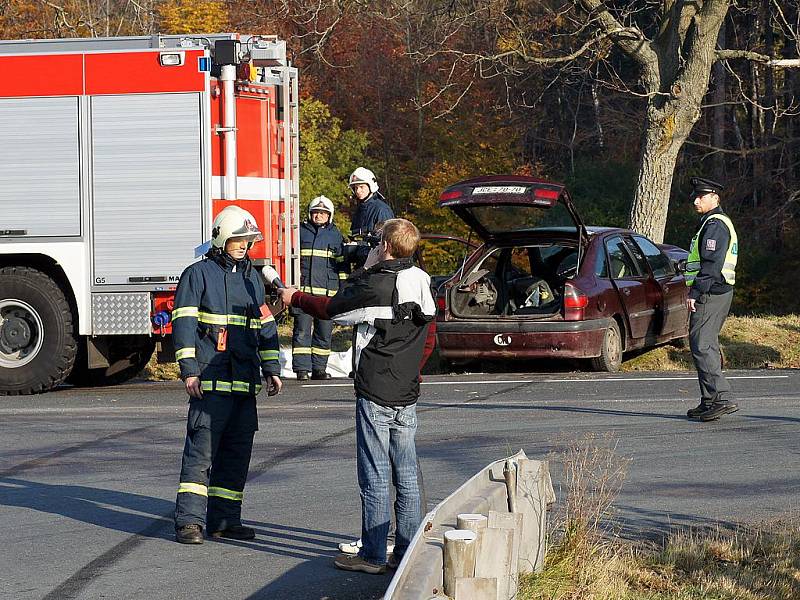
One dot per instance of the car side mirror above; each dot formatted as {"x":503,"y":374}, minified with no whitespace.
{"x":680,"y":265}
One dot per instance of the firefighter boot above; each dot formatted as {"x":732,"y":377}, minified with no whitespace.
{"x":189,"y":534}
{"x":320,"y":375}
{"x":302,"y":376}
{"x":235,"y":532}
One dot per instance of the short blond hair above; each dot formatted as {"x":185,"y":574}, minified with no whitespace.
{"x":402,"y":237}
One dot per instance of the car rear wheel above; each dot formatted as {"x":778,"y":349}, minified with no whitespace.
{"x":610,"y":357}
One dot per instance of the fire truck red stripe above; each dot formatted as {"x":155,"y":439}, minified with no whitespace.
{"x":56,"y":75}
{"x":141,"y":73}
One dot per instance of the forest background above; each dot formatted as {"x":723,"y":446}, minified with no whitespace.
{"x":428,"y":92}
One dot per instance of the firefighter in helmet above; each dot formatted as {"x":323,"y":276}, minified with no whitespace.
{"x":710,"y":274}
{"x":321,"y":270}
{"x":225,"y":339}
{"x":372,"y":209}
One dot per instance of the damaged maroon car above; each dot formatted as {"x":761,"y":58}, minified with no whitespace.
{"x":544,"y":285}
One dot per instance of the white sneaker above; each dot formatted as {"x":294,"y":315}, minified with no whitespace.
{"x":354,"y":546}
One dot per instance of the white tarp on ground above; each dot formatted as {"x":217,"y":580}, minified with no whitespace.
{"x":339,"y":363}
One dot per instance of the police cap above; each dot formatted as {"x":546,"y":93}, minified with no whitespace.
{"x":701,"y":185}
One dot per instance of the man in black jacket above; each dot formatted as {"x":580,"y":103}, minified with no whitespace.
{"x":390,"y":304}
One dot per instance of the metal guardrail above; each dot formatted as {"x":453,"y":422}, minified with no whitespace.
{"x":497,"y":521}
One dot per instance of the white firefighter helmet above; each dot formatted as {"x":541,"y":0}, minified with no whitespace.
{"x":234,"y":221}
{"x":363,"y":175}
{"x":321,"y":203}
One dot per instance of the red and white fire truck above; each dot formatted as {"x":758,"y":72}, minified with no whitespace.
{"x":116,"y":154}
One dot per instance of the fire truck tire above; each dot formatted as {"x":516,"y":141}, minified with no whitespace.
{"x":37,"y":332}
{"x":128,"y":355}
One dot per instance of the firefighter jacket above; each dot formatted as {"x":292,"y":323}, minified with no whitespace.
{"x":390,"y":304}
{"x":223,"y":331}
{"x":713,"y":254}
{"x":369,"y":213}
{"x":321,"y":261}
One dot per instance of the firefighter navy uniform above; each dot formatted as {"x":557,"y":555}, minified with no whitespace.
{"x":225,"y":335}
{"x":321,"y":270}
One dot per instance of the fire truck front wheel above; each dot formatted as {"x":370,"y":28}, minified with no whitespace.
{"x":37,"y":332}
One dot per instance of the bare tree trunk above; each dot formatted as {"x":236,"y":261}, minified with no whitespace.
{"x":656,"y":166}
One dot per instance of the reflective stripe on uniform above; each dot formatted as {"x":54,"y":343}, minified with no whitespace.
{"x":321,"y":351}
{"x":342,"y":275}
{"x":220,"y":492}
{"x":184,"y":311}
{"x":319,"y":253}
{"x":212,"y":319}
{"x":185,"y":353}
{"x":228,"y":386}
{"x":269,"y":354}
{"x":301,"y":350}
{"x":216,"y":319}
{"x":318,"y":291}
{"x":193,"y":488}
{"x":241,"y":386}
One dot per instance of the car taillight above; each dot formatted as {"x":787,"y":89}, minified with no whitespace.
{"x":575,"y":301}
{"x":451,"y":195}
{"x":441,"y":303}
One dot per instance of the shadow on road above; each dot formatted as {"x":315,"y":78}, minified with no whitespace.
{"x":122,"y":511}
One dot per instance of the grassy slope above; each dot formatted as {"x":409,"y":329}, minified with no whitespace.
{"x":748,"y":343}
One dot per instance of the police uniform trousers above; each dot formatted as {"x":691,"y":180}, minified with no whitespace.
{"x":311,"y":342}
{"x":216,"y":458}
{"x":705,"y":324}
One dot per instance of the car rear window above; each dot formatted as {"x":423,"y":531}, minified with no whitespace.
{"x":510,"y":218}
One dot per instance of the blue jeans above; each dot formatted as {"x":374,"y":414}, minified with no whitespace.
{"x":386,"y":452}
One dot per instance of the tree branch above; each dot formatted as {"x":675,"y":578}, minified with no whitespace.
{"x":781,"y":63}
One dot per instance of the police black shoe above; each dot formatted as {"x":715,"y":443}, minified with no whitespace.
{"x":699,"y":409}
{"x":235,"y":532}
{"x":320,"y":375}
{"x":189,"y":534}
{"x":302,"y":376}
{"x":716,"y":410}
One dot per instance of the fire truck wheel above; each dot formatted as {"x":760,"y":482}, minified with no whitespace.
{"x":127,"y":356}
{"x":37,"y":332}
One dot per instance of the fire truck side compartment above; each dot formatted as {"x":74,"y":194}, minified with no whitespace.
{"x":146,"y":174}
{"x":40,"y":191}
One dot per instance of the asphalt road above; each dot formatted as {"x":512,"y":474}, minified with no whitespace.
{"x":88,"y":477}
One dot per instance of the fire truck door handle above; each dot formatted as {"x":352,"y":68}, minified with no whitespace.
{"x":13,"y":232}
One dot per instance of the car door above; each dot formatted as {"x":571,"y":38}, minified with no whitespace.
{"x":631,"y":285}
{"x":671,"y":286}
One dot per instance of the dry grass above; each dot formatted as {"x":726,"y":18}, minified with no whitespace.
{"x":585,"y":561}
{"x":748,"y":343}
{"x":769,"y":342}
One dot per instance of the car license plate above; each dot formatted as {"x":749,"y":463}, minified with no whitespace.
{"x":500,"y":189}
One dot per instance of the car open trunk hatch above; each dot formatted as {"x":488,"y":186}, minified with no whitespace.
{"x":506,"y":207}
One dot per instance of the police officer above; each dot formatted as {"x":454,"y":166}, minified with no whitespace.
{"x":225,"y":338}
{"x":321,"y":270}
{"x":710,"y":275}
{"x":372,"y":209}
